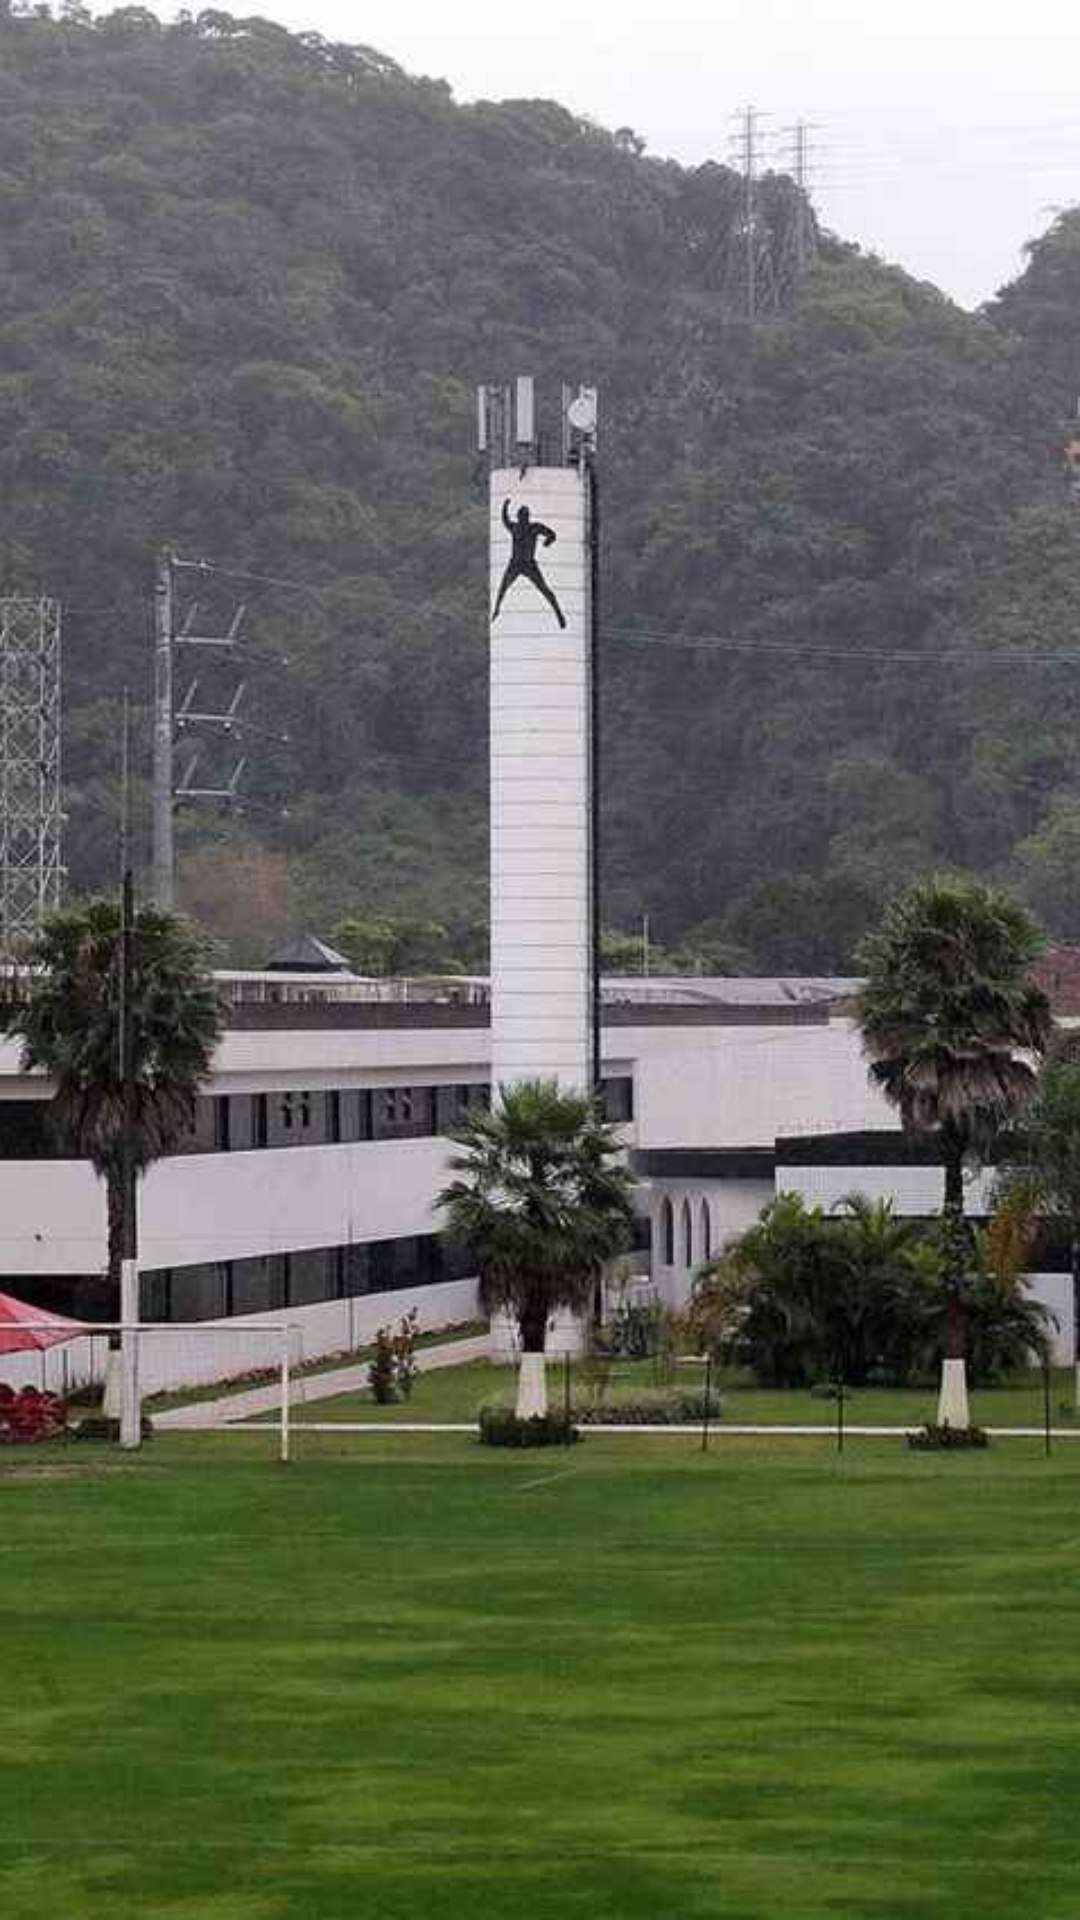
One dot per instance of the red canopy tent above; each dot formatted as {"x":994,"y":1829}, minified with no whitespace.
{"x":27,"y":1329}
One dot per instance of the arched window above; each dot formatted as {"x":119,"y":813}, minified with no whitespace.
{"x":687,"y":1235}
{"x":667,"y":1234}
{"x":706,"y":1232}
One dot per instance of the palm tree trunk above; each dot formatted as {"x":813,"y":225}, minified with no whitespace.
{"x":955,"y":1248}
{"x":532,"y":1377}
{"x":953,"y":1409}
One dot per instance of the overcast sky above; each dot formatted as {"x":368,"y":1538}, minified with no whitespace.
{"x":948,"y":130}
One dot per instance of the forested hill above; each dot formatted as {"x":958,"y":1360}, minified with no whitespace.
{"x":248,"y":281}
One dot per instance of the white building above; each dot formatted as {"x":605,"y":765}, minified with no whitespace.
{"x":307,"y":1189}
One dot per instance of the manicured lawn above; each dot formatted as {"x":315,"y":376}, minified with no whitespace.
{"x":409,"y":1679}
{"x":455,"y":1393}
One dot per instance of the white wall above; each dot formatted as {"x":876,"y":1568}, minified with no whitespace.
{"x":170,"y":1357}
{"x":223,"y":1206}
{"x":733,"y":1205}
{"x":52,"y":1218}
{"x":229,"y":1206}
{"x":912,"y":1190}
{"x":540,"y":921}
{"x":743,"y":1086}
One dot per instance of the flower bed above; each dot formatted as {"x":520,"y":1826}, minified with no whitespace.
{"x":27,"y":1416}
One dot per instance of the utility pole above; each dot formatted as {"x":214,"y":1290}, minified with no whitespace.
{"x":171,"y":718}
{"x":130,"y":1416}
{"x":749,"y":155}
{"x":164,"y":857}
{"x":803,"y":239}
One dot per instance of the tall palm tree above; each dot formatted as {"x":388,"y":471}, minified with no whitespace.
{"x":542,"y":1198}
{"x":950,"y":1020}
{"x":69,"y":1024}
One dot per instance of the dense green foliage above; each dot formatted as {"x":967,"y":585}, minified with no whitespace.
{"x":802,"y":1297}
{"x":740,"y":1684}
{"x":1042,"y":1180}
{"x":247,"y":282}
{"x":70,"y":1022}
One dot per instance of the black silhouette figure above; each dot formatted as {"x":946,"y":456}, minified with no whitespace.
{"x":524,"y":533}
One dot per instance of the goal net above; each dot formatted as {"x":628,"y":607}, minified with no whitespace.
{"x":195,"y":1375}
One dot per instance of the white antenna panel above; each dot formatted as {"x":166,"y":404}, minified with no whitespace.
{"x":582,"y":411}
{"x":525,"y":411}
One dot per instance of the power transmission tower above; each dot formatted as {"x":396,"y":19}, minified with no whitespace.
{"x":799,"y":241}
{"x":30,"y":811}
{"x":172,"y":720}
{"x":805,"y":230}
{"x":750,"y":279}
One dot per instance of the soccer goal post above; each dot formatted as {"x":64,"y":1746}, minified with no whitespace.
{"x":186,"y":1359}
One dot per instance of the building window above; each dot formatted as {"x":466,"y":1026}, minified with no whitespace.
{"x":260,"y":1120}
{"x":667,"y":1233}
{"x":222,"y":1123}
{"x":269,"y":1283}
{"x":706,"y":1232}
{"x":687,"y":1235}
{"x":617,"y":1096}
{"x":333,"y":1117}
{"x":403,"y":1113}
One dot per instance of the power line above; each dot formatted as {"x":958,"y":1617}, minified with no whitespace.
{"x":714,"y":643}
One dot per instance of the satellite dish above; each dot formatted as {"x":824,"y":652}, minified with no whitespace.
{"x":581,"y":412}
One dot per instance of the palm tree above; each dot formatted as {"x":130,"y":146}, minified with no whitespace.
{"x":69,"y":1024}
{"x":542,"y":1198}
{"x":1043,"y":1182}
{"x":948,"y":1013}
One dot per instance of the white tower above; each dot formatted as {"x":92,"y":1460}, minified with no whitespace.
{"x":542,"y":533}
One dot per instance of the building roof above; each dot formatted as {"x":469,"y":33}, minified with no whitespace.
{"x":728,"y":990}
{"x":305,"y":954}
{"x":1057,"y":972}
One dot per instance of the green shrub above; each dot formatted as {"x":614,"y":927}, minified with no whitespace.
{"x":500,"y":1427}
{"x":652,"y":1410}
{"x":95,"y":1426}
{"x":383,"y":1368}
{"x":946,"y":1439}
{"x":635,"y":1331}
{"x":404,"y":1346}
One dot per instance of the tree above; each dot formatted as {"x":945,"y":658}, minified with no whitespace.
{"x":69,"y":1025}
{"x":542,"y":1198}
{"x":948,"y":1013}
{"x":1044,"y":1181}
{"x":802,"y":1296}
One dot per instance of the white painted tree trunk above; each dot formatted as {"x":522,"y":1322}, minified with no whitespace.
{"x":130,"y":1408}
{"x":532,"y":1387}
{"x":953,"y":1410}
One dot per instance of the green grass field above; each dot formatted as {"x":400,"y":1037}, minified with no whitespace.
{"x":408,"y":1679}
{"x":455,"y":1393}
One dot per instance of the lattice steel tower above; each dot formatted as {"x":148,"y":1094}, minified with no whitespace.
{"x":30,"y":814}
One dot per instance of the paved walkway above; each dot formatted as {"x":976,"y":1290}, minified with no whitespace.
{"x":312,"y":1386}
